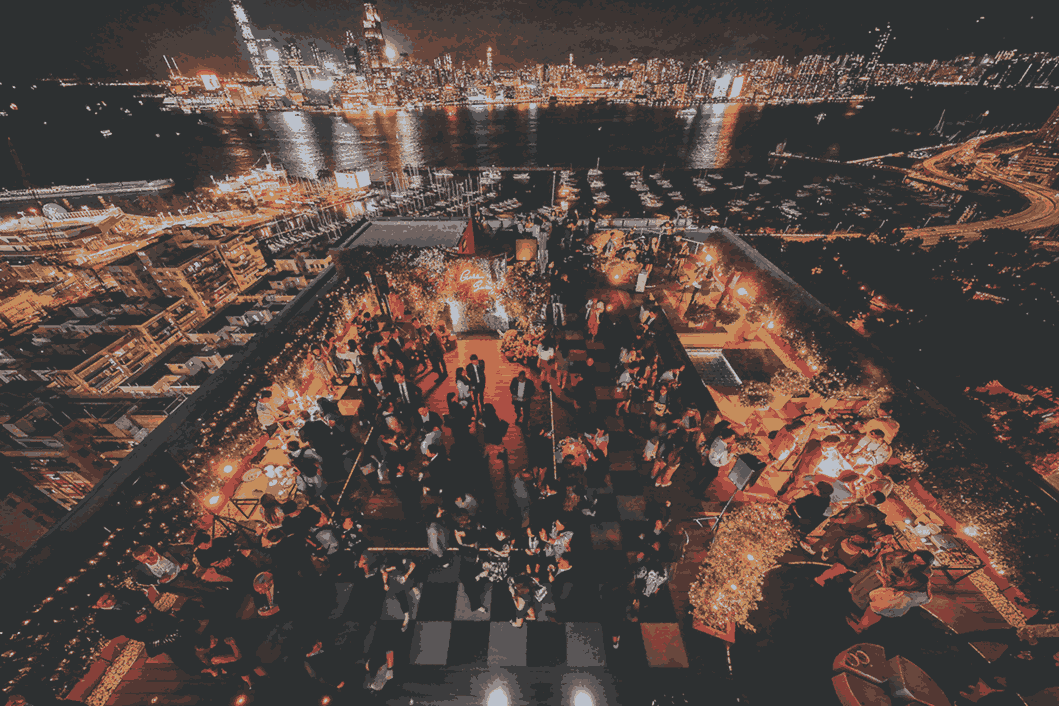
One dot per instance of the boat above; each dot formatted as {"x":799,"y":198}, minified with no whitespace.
{"x":688,"y":112}
{"x":763,"y":181}
{"x":443,"y":173}
{"x":105,"y":133}
{"x":595,"y":172}
{"x":675,"y":196}
{"x":522,"y":176}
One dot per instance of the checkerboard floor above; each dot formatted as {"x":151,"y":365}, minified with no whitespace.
{"x":448,"y":643}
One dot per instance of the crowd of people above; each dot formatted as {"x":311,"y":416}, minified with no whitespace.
{"x":529,"y":562}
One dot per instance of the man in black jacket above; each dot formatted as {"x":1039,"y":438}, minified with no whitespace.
{"x":435,"y":350}
{"x":438,"y":470}
{"x":476,"y":376}
{"x":120,"y":612}
{"x":168,"y":573}
{"x":564,"y":582}
{"x":407,"y":396}
{"x":808,"y":511}
{"x":522,"y":391}
{"x":424,"y":419}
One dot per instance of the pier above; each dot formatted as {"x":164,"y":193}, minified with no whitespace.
{"x":102,"y":189}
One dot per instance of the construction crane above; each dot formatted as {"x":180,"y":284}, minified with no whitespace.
{"x":18,"y":163}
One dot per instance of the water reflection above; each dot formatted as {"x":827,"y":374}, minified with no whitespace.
{"x":531,"y":134}
{"x":386,"y":140}
{"x":480,"y":120}
{"x":710,"y":146}
{"x":298,"y":143}
{"x":409,"y":140}
{"x":347,"y":148}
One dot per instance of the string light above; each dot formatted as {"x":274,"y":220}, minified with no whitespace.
{"x":728,"y":587}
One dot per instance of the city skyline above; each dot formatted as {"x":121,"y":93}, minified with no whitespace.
{"x":130,"y":41}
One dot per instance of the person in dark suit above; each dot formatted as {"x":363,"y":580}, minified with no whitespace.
{"x":407,"y":395}
{"x":121,"y":612}
{"x":476,"y":376}
{"x":582,"y":395}
{"x":435,"y":351}
{"x":379,"y":388}
{"x":564,"y":582}
{"x":424,"y":419}
{"x":808,"y":511}
{"x":409,"y":489}
{"x":522,"y":391}
{"x":438,"y":470}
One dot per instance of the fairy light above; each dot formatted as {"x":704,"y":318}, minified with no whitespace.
{"x":728,"y":587}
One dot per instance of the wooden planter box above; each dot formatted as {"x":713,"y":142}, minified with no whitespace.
{"x":728,"y":635}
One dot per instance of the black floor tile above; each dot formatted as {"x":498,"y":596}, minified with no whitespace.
{"x":502,"y":608}
{"x":628,"y":482}
{"x":438,"y":602}
{"x":545,"y":644}
{"x":468,"y":644}
{"x":630,"y":654}
{"x":659,"y":609}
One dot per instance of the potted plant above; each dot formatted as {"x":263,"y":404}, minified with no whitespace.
{"x":756,"y":395}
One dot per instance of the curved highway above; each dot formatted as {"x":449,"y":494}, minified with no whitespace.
{"x":1042,"y":211}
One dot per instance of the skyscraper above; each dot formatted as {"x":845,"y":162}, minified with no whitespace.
{"x":374,"y":44}
{"x":1048,"y":136}
{"x":354,"y":59}
{"x":257,"y":63}
{"x":271,"y":64}
{"x":880,"y":45}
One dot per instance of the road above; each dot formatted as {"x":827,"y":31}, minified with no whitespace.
{"x":1041,"y":213}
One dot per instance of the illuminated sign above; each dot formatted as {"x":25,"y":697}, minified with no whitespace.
{"x":737,"y":87}
{"x":477,"y":280}
{"x":720,"y":88}
{"x":209,"y":81}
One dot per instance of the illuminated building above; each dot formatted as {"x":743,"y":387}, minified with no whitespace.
{"x":198,"y":274}
{"x":720,"y":87}
{"x":354,"y":62}
{"x":1040,"y":161}
{"x":873,"y":61}
{"x":131,"y":277}
{"x":298,"y":75}
{"x":257,"y":57}
{"x":77,"y":238}
{"x":374,"y":43}
{"x":273,"y":65}
{"x":737,"y":87}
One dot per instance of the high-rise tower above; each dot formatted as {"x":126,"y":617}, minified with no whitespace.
{"x":257,"y":61}
{"x":354,"y":61}
{"x":374,"y":44}
{"x":880,"y":45}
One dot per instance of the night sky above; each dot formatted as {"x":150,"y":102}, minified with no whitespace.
{"x":126,"y":38}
